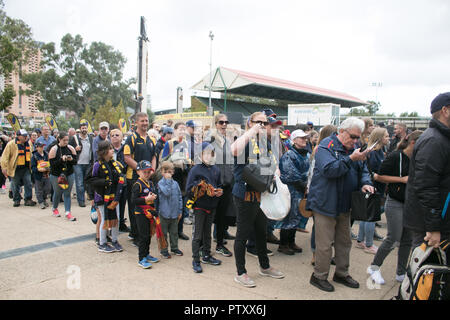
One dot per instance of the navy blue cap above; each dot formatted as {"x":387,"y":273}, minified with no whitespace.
{"x":309,"y":123}
{"x":269,"y":113}
{"x":191,"y":124}
{"x":207,"y":145}
{"x":144,"y":165}
{"x":273,"y":120}
{"x":167,"y":130}
{"x":439,"y":102}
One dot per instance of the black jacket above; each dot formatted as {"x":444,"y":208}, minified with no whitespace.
{"x":77,"y":142}
{"x":427,"y":204}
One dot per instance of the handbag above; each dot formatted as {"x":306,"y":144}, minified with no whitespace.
{"x":259,"y":174}
{"x":302,"y":209}
{"x":276,"y":201}
{"x":366,"y":206}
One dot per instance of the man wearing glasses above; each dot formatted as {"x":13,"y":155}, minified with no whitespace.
{"x":338,"y":168}
{"x":82,"y":144}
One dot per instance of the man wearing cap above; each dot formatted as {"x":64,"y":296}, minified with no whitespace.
{"x":195,"y":143}
{"x":102,"y":135}
{"x":166,"y":136}
{"x":82,"y":143}
{"x":310,"y":125}
{"x":16,"y":163}
{"x":427,"y":203}
{"x":46,"y":138}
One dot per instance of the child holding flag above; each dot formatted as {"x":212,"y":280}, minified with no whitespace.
{"x":143,"y":197}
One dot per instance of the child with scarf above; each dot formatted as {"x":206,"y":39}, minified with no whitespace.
{"x":108,"y":182}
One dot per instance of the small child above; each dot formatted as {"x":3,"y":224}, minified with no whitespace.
{"x":143,"y":196}
{"x":202,"y":189}
{"x":40,"y":167}
{"x":170,"y":208}
{"x":108,"y":182}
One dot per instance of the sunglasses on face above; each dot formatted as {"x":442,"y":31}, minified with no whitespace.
{"x":263,"y":123}
{"x":353,"y":137}
{"x":221,"y":122}
{"x":115,"y":135}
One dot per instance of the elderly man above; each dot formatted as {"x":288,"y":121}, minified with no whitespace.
{"x":103,"y":135}
{"x":16,"y":163}
{"x":46,"y":139}
{"x":339,"y":170}
{"x":427,"y":204}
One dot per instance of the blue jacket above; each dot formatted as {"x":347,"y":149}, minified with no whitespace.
{"x":170,"y":202}
{"x":334,"y":179}
{"x":294,"y":170}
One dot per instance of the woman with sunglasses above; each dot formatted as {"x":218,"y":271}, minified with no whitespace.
{"x":249,"y":214}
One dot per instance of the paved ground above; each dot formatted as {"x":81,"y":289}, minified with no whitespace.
{"x":42,"y":257}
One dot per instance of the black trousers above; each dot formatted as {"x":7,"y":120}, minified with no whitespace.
{"x":131,"y":215}
{"x":122,"y":204}
{"x":143,"y":226}
{"x":201,"y":233}
{"x":249,"y":216}
{"x":221,"y":215}
{"x":287,"y":236}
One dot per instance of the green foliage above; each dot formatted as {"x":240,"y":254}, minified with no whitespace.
{"x":410,"y":115}
{"x":88,"y":115}
{"x":151,"y":116}
{"x":79,"y":75}
{"x":110,"y":114}
{"x":373,"y":107}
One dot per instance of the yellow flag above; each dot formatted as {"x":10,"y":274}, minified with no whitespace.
{"x":89,"y":125}
{"x":51,"y":122}
{"x":14,"y":121}
{"x":123,"y":125}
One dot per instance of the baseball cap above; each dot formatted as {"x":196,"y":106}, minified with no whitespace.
{"x":298,"y":134}
{"x":167,"y":130}
{"x":440,"y":101}
{"x":309,"y":123}
{"x":191,"y":124}
{"x":39,"y":144}
{"x":103,"y":124}
{"x":269,"y":113}
{"x":144,"y":165}
{"x":22,"y":132}
{"x":207,"y":145}
{"x":272,"y":120}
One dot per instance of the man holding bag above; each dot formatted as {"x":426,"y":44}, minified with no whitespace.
{"x":338,"y":167}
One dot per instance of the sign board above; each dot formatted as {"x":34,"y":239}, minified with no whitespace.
{"x":321,"y":114}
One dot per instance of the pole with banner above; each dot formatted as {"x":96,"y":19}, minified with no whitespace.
{"x":123,"y":125}
{"x":51,"y":122}
{"x":14,"y":122}
{"x":89,"y":125}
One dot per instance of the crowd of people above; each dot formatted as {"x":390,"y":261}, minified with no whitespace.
{"x":174,"y":174}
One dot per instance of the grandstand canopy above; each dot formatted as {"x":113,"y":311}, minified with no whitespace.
{"x":248,"y":84}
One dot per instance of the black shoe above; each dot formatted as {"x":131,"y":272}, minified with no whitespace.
{"x":30,"y":203}
{"x":272,"y":239}
{"x":346,"y":281}
{"x":295,"y":248}
{"x":321,"y":284}
{"x":211,"y":260}
{"x":123,"y":228}
{"x":377,"y":237}
{"x":82,"y":204}
{"x":286,"y":250}
{"x":229,"y":237}
{"x":16,"y":204}
{"x":10,"y":194}
{"x":377,"y":225}
{"x":252,"y":252}
{"x":182,"y":236}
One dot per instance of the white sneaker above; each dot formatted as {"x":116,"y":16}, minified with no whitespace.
{"x":245,"y":280}
{"x":187,"y":221}
{"x":399,"y":278}
{"x":375,"y":275}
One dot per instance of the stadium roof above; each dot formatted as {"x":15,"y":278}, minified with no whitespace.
{"x":249,"y":84}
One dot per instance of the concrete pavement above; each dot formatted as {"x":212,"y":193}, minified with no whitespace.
{"x":43,"y":257}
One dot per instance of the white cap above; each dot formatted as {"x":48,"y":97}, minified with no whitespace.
{"x":298,"y":134}
{"x":103,"y":125}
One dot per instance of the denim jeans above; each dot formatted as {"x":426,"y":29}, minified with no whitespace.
{"x":80,"y":173}
{"x":366,"y":232}
{"x":24,"y":175}
{"x":57,"y":192}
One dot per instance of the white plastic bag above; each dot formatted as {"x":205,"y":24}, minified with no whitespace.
{"x":276,"y":204}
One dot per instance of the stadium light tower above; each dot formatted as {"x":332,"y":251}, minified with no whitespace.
{"x":376,"y":85}
{"x":210,"y":110}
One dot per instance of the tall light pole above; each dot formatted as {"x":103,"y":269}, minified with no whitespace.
{"x":377,"y":85}
{"x":210,"y":110}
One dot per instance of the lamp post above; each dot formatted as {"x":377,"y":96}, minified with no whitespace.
{"x":210,"y":110}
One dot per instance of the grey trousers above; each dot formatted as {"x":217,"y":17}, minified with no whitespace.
{"x":396,"y":235}
{"x":42,"y":189}
{"x":170,"y":226}
{"x":331,"y":232}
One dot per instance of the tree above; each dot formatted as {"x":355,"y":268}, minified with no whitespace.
{"x":88,"y":115}
{"x":79,"y":75}
{"x":373,"y":107}
{"x":16,"y":47}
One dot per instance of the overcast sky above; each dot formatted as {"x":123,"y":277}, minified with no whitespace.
{"x":340,"y":45}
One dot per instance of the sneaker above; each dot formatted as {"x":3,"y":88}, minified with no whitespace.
{"x":252,"y":252}
{"x":377,"y":237}
{"x":16,"y":204}
{"x":117,"y":246}
{"x":42,"y":205}
{"x":165,"y":255}
{"x":152,"y":259}
{"x":271,"y":272}
{"x":30,"y":203}
{"x":177,"y":252}
{"x":360,"y":245}
{"x":105,"y":248}
{"x":81,"y":204}
{"x":187,"y":221}
{"x":245,"y":280}
{"x":229,"y":236}
{"x":46,"y":204}
{"x":224,"y":251}
{"x":197,"y":266}
{"x":70,"y":217}
{"x":123,"y":228}
{"x":372,"y":250}
{"x":269,"y":253}
{"x":211,"y":260}
{"x":375,"y":274}
{"x":145,"y":264}
{"x":56,"y":213}
{"x":400,"y":278}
